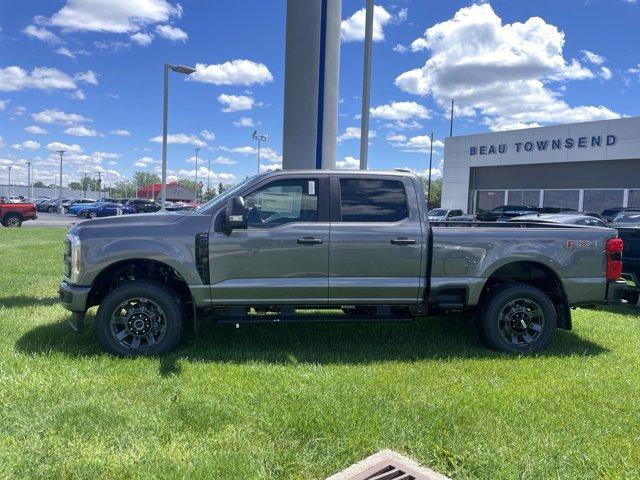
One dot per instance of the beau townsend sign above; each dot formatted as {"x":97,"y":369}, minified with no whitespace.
{"x":542,"y":145}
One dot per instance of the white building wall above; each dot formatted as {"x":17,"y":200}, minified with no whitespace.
{"x":458,"y":159}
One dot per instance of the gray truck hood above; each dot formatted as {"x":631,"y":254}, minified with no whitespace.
{"x":129,"y":221}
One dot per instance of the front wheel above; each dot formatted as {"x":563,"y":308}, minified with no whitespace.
{"x":12,"y":221}
{"x":139,"y":319}
{"x":517,"y":318}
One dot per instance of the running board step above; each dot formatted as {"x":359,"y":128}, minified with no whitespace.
{"x":308,"y":319}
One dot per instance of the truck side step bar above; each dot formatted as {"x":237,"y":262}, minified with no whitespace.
{"x":307,"y":319}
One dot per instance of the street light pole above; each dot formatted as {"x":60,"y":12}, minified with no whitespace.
{"x":29,"y":189}
{"x":429,"y":182}
{"x":366,"y":87}
{"x":165,"y":120}
{"x":9,"y":169}
{"x":61,"y":153}
{"x":209,"y":179}
{"x":259,"y":138}
{"x":196,"y":189}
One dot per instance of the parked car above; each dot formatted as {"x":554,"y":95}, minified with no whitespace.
{"x":13,"y":214}
{"x":505,"y":212}
{"x":628,"y":218}
{"x":16,"y":199}
{"x":77,"y":208}
{"x":77,"y":201}
{"x":140,"y":205}
{"x":609,"y":213}
{"x":51,"y":206}
{"x":564,"y":218}
{"x":104,"y":209}
{"x":442,"y":214}
{"x":280,"y":244}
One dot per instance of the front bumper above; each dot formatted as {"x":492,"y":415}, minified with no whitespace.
{"x":73,"y":297}
{"x":615,"y":292}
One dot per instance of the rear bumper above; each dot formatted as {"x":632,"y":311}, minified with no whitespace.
{"x":615,"y":292}
{"x":73,"y":297}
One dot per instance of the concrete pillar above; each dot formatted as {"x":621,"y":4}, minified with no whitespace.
{"x":312,"y":69}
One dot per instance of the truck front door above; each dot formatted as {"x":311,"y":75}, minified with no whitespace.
{"x":282,"y":256}
{"x":377,"y":241}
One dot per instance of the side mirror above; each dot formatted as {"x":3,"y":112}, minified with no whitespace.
{"x":235,"y":214}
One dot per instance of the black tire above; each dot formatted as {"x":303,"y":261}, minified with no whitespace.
{"x":12,"y":220}
{"x":92,"y":215}
{"x":158,"y":329}
{"x":65,"y":210}
{"x":517,"y":318}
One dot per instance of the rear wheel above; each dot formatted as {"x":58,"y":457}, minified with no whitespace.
{"x":139,"y":319}
{"x":12,"y":220}
{"x":92,"y":215}
{"x":517,"y":318}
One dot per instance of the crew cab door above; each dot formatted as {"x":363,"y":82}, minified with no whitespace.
{"x":377,"y":241}
{"x":282,"y":256}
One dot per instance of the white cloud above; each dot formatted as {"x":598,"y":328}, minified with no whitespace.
{"x":14,"y":78}
{"x":353,"y":133}
{"x":172,"y":33}
{"x":144,"y":162}
{"x":78,"y":95}
{"x":120,"y":132}
{"x":224,"y":161}
{"x":506,"y":73}
{"x":3,"y":104}
{"x":81,"y":131}
{"x":592,"y":57}
{"x":87,"y":77}
{"x":207,"y":135}
{"x":605,"y":73}
{"x":235,"y":72}
{"x":70,"y":149}
{"x":235,"y":103}
{"x":141,"y":38}
{"x":269,"y":168}
{"x":56,"y":116}
{"x":113,"y":16}
{"x":41,"y":34}
{"x":418,"y":144}
{"x":349,"y":163}
{"x":266,"y":153}
{"x":27,"y":145}
{"x":36,"y":130}
{"x":244,"y":122}
{"x":65,"y":52}
{"x":400,"y":48}
{"x":419,"y":44}
{"x":204,"y":175}
{"x":400,"y":111}
{"x":19,"y":110}
{"x":181,"y":138}
{"x":352,"y":29}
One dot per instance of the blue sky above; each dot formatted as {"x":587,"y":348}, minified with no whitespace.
{"x":87,"y":74}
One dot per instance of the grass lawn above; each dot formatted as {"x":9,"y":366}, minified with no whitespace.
{"x":304,"y":401}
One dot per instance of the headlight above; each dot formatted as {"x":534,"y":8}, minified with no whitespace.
{"x":74,"y":257}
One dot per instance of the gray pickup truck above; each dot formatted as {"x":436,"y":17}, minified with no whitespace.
{"x":299,"y":245}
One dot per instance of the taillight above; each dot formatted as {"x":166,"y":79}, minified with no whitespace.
{"x":614,"y":258}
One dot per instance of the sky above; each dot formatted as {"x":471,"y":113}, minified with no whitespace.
{"x":85,"y":76}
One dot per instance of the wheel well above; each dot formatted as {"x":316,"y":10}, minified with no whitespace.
{"x":128,"y":271}
{"x":537,"y":275}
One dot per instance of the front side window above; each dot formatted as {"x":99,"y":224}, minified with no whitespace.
{"x":281,"y":202}
{"x":370,"y":200}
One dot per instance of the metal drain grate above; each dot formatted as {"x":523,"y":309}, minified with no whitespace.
{"x":387,"y":465}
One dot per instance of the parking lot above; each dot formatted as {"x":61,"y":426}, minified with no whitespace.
{"x":52,"y":220}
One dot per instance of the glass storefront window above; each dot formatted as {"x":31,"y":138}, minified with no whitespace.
{"x":524,"y":198}
{"x":634,"y":198}
{"x":568,"y":199}
{"x":599,"y":200}
{"x":489,"y":199}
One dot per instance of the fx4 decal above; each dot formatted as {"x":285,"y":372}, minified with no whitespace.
{"x":582,"y":244}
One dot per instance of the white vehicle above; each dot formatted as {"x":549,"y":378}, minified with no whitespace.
{"x":15,"y":199}
{"x":443,"y":214}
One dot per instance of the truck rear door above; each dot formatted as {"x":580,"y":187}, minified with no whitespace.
{"x":376,"y":241}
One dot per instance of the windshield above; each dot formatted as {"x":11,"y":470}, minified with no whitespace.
{"x":629,"y":217}
{"x":438,"y":212}
{"x":215,"y":201}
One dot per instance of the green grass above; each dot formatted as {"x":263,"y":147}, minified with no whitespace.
{"x":304,"y":401}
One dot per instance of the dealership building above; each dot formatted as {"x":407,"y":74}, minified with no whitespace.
{"x":583,"y":166}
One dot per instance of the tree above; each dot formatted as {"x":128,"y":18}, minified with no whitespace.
{"x":221,"y":188}
{"x":39,"y":184}
{"x":75,"y":186}
{"x":435,"y":199}
{"x":145,"y":178}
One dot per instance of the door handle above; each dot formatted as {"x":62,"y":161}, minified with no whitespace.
{"x":310,"y":241}
{"x":403,"y":241}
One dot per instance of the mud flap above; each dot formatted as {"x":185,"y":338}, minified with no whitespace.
{"x":76,"y":322}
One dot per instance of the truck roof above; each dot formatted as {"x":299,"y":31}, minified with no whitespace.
{"x":394,"y":173}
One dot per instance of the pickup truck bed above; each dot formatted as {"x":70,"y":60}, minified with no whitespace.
{"x":286,"y":243}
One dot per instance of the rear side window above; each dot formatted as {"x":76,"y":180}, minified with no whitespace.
{"x":370,"y":200}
